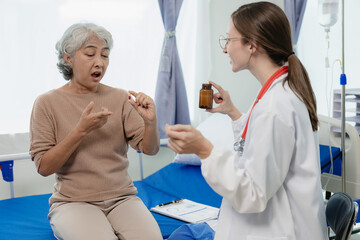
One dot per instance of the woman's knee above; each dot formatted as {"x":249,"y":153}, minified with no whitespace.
{"x":138,"y":223}
{"x":79,"y":221}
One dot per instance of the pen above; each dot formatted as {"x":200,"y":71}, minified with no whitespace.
{"x":175,"y":201}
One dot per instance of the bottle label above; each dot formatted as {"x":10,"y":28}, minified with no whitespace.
{"x":206,"y":99}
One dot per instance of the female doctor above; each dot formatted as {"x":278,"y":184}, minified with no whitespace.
{"x":271,"y":183}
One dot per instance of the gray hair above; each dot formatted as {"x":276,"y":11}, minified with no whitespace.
{"x":72,"y":40}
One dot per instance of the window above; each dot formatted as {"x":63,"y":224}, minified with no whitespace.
{"x":29,"y":30}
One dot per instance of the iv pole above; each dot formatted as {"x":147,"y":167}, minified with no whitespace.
{"x":343,"y":83}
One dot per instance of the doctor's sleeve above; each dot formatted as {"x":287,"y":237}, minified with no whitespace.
{"x":248,"y":182}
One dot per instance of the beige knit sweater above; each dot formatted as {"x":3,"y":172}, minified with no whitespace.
{"x":97,"y":170}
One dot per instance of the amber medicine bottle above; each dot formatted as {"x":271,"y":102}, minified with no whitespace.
{"x":206,"y":96}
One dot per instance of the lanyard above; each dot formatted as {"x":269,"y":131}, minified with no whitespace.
{"x":262,"y":92}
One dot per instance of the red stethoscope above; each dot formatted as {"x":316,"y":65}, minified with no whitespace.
{"x":239,"y":145}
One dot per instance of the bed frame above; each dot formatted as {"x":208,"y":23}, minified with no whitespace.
{"x":330,"y":135}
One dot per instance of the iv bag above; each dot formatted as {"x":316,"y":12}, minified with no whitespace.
{"x":328,"y":12}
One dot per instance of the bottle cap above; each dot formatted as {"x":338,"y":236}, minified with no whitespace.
{"x":206,"y":86}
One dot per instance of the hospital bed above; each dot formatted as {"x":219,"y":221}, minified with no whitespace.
{"x":26,"y":217}
{"x":330,"y":135}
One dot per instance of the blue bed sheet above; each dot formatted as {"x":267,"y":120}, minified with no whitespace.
{"x":173,"y":182}
{"x":325,"y":160}
{"x":26,"y":217}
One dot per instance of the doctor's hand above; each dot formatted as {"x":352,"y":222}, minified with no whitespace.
{"x":186,"y":139}
{"x":225,"y":105}
{"x":144,"y":105}
{"x":90,"y":121}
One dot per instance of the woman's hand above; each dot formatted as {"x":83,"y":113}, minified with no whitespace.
{"x":225,"y":105}
{"x":186,"y":139}
{"x":54,"y":158}
{"x":144,"y":105}
{"x":90,"y":121}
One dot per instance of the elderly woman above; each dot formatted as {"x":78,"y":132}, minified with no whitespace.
{"x":81,"y":132}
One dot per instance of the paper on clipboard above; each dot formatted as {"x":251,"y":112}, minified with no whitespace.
{"x":188,"y":211}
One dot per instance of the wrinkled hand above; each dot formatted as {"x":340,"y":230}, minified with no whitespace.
{"x":225,"y":105}
{"x":144,"y":105}
{"x":186,"y":139}
{"x":90,"y":121}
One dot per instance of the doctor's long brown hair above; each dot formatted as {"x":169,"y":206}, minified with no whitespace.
{"x":266,"y":25}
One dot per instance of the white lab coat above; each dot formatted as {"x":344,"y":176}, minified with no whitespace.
{"x":273,"y":191}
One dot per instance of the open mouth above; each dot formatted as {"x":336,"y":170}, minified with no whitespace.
{"x":96,"y":74}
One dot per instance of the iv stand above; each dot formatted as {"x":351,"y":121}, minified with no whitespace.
{"x":343,"y":83}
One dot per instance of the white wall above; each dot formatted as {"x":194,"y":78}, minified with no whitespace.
{"x":242,"y":86}
{"x":312,"y":50}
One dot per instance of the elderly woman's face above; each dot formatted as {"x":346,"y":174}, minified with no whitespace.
{"x":89,"y":63}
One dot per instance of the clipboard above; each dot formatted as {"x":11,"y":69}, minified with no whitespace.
{"x":187,"y":211}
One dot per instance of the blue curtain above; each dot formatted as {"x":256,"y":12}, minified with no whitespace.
{"x":295,"y":10}
{"x":170,"y":94}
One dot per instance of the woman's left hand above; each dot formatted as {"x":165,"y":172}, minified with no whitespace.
{"x":144,"y":105}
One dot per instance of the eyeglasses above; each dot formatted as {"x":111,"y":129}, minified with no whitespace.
{"x":223,"y":41}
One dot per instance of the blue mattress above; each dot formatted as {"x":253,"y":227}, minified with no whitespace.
{"x":26,"y":217}
{"x":325,"y":160}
